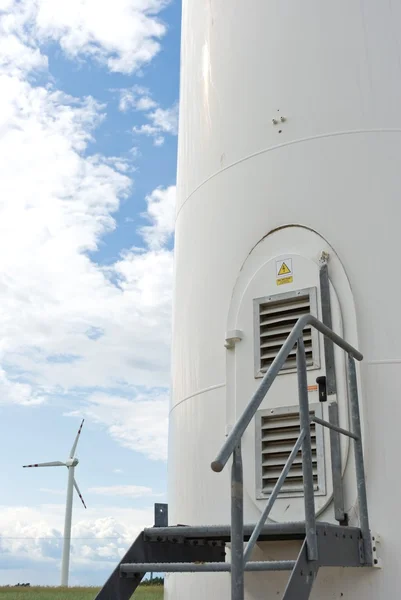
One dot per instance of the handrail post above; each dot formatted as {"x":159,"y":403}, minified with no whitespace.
{"x":307,"y":464}
{"x":359,"y":462}
{"x":237,"y":526}
{"x":336,"y":471}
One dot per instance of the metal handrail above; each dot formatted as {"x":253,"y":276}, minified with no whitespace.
{"x":239,"y":428}
{"x":334,"y":427}
{"x":232,"y":446}
{"x":272,"y":498}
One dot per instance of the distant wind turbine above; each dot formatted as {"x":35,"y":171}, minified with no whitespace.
{"x":70,"y":463}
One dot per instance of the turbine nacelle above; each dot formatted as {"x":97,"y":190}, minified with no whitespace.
{"x":72,"y":462}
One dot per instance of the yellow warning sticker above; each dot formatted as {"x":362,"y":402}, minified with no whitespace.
{"x":284,"y":272}
{"x":284,"y":280}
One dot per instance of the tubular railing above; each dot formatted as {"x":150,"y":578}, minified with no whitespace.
{"x":232,"y":447}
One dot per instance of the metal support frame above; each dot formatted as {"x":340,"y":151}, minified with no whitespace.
{"x":334,"y":427}
{"x":120,"y":587}
{"x":338,"y":546}
{"x":307,"y":464}
{"x":331,"y":382}
{"x":201,"y":550}
{"x":237,"y":526}
{"x":302,"y":577}
{"x":359,"y":462}
{"x":336,"y":468}
{"x":130,"y":569}
{"x":222,"y":533}
{"x":331,"y":387}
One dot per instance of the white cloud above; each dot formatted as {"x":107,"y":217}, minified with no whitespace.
{"x":137,"y":98}
{"x":130,"y":491}
{"x":140,"y":425}
{"x":126,"y":100}
{"x":15,"y":392}
{"x":62,"y":203}
{"x":161,"y":213}
{"x":17,"y":56}
{"x":32,"y":538}
{"x":162,"y":120}
{"x":18,"y":49}
{"x":123,"y":35}
{"x":165,"y":119}
{"x":145,"y":103}
{"x":147,"y":130}
{"x":67,"y":323}
{"x":53,"y":491}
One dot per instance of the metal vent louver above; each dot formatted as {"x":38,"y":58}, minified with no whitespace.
{"x":278,"y":432}
{"x":276,"y":317}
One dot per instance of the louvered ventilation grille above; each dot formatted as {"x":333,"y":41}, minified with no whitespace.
{"x":276,"y":320}
{"x":278,"y":435}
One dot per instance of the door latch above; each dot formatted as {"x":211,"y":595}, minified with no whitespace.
{"x":321,"y":382}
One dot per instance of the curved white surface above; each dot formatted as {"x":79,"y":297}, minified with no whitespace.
{"x":333,"y":71}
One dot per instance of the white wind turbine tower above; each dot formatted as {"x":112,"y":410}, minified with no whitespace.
{"x":70,"y":463}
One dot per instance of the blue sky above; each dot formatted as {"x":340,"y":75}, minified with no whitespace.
{"x":88,"y":139}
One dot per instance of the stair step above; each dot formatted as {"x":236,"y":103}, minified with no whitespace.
{"x":202,"y":549}
{"x":132,"y":569}
{"x":222,"y":533}
{"x":272,"y":531}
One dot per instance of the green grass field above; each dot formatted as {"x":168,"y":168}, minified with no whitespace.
{"x":49,"y":593}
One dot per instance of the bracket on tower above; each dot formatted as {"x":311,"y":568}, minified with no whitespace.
{"x":161,"y":515}
{"x":232,"y":338}
{"x":377,"y":561}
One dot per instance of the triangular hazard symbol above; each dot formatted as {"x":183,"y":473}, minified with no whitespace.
{"x":284,"y":270}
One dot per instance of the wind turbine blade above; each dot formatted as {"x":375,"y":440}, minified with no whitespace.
{"x":79,"y":493}
{"x":74,"y":447}
{"x":57,"y":463}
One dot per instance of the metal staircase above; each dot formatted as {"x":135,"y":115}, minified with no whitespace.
{"x":164,"y":549}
